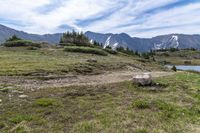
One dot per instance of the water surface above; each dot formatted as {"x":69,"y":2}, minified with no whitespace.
{"x":184,"y":67}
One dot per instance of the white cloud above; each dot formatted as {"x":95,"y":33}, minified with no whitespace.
{"x":132,"y":18}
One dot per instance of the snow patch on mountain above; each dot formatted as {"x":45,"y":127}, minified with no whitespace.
{"x":107,"y":43}
{"x":158,"y":46}
{"x":115,"y":46}
{"x":91,"y":41}
{"x":174,"y":41}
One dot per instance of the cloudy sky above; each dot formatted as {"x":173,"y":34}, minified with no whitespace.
{"x":139,"y":18}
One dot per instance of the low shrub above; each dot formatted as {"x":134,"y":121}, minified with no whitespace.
{"x":110,"y":51}
{"x":2,"y":125}
{"x":72,"y":44}
{"x":31,"y":48}
{"x":21,"y":43}
{"x":87,"y":50}
{"x":188,"y":62}
{"x":4,"y":89}
{"x":141,"y":104}
{"x":19,"y":118}
{"x":174,"y":68}
{"x":45,"y":102}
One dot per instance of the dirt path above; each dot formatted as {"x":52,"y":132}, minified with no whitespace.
{"x":70,"y":80}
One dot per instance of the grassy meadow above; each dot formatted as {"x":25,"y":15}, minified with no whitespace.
{"x":23,"y":61}
{"x":171,"y":106}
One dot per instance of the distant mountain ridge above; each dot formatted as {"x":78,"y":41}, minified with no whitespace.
{"x":6,"y":32}
{"x":146,"y":44}
{"x":114,"y":40}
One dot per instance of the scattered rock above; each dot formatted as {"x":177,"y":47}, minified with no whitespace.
{"x":92,"y":60}
{"x":10,"y":96}
{"x":9,"y":87}
{"x":0,"y":100}
{"x":23,"y":96}
{"x":5,"y":89}
{"x":143,"y":79}
{"x":16,"y":91}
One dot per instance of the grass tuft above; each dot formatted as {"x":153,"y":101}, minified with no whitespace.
{"x":2,"y":125}
{"x":45,"y":102}
{"x":85,"y":127}
{"x":19,"y":118}
{"x":142,"y":130}
{"x":141,"y":104}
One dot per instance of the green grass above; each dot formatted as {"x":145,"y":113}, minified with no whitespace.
{"x":87,"y":50}
{"x":141,"y":104}
{"x":20,"y":61}
{"x":19,"y":118}
{"x":45,"y":102}
{"x":141,"y":131}
{"x":118,"y":107}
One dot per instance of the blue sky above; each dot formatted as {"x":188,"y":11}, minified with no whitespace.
{"x":139,"y":18}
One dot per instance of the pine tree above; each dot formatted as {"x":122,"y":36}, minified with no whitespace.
{"x":74,"y":38}
{"x":13,"y":38}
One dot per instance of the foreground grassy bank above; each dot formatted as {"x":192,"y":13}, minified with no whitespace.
{"x":172,"y":106}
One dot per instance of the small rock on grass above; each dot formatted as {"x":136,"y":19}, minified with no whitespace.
{"x":0,"y":100}
{"x":23,"y":96}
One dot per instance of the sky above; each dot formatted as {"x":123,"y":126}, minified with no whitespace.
{"x":138,"y":18}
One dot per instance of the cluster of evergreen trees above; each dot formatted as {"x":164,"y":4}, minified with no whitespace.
{"x":145,"y":55}
{"x":127,"y":51}
{"x":174,"y":49}
{"x":74,"y":38}
{"x":13,"y":38}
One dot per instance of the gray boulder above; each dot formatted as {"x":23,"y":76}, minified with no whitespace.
{"x":143,"y":79}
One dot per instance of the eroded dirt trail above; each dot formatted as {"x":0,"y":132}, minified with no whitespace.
{"x":70,"y":80}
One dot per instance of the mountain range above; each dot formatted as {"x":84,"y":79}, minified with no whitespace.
{"x":145,"y":44}
{"x":115,"y":40}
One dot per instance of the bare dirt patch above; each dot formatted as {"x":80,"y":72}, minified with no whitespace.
{"x":35,"y":83}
